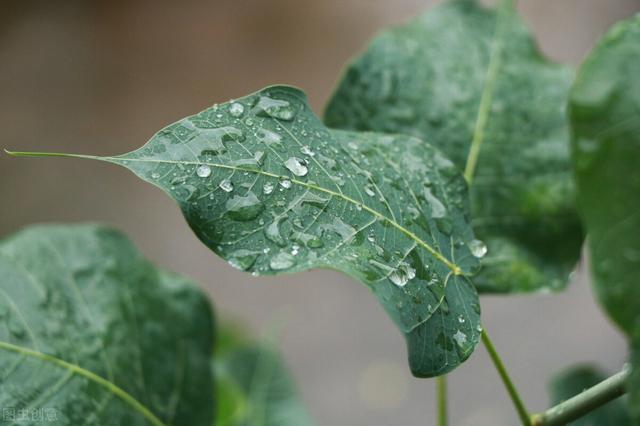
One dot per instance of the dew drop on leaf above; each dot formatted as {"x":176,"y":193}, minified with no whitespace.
{"x":285,"y":183}
{"x":226,"y":185}
{"x":282,"y":260}
{"x":236,"y":109}
{"x":296,"y":166}
{"x":275,"y":108}
{"x":243,"y":208}
{"x":478,"y":248}
{"x":203,"y":171}
{"x":243,"y":259}
{"x":267,"y":188}
{"x":460,"y":338}
{"x":401,"y":275}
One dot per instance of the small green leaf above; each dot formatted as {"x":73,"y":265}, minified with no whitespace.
{"x":574,"y":380}
{"x":605,"y":116}
{"x":254,"y":385}
{"x":471,"y":81}
{"x":265,"y":185}
{"x":92,"y":333}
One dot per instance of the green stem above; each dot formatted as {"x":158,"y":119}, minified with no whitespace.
{"x":585,"y":402}
{"x":441,"y":388}
{"x":508,"y":383}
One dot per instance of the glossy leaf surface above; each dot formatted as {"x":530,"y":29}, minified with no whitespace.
{"x":470,"y":81}
{"x":264,"y":184}
{"x":92,"y":333}
{"x":574,"y":380}
{"x":605,"y":116}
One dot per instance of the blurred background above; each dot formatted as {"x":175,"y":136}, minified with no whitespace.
{"x":100,"y":77}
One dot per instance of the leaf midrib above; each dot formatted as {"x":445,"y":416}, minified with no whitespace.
{"x":80,"y":371}
{"x":487,"y":92}
{"x":452,"y":266}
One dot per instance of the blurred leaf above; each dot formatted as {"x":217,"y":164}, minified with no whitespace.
{"x":254,"y":386}
{"x":265,"y":185}
{"x":605,"y":115}
{"x":92,"y":333}
{"x":574,"y":380}
{"x":460,"y":76}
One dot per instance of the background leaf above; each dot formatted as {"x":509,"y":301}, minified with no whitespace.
{"x":605,"y":116}
{"x":254,"y":384}
{"x":574,"y":380}
{"x":461,"y":74}
{"x":267,"y":186}
{"x":92,"y":333}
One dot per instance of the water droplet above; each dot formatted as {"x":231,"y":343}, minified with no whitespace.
{"x":296,"y":166}
{"x":478,"y":248}
{"x":272,"y":232}
{"x":460,"y":338}
{"x":269,"y":137}
{"x":307,"y":151}
{"x":438,"y":210}
{"x":155,"y":175}
{"x":282,"y":260}
{"x":243,"y":259}
{"x":203,"y":171}
{"x":285,"y":183}
{"x":244,"y":208}
{"x":267,"y":188}
{"x":402,"y":274}
{"x":236,"y":109}
{"x":275,"y":108}
{"x":226,"y":185}
{"x":461,"y":319}
{"x":368,"y":188}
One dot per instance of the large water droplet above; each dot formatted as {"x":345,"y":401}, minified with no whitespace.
{"x":296,"y":166}
{"x":478,"y":248}
{"x":236,"y":109}
{"x":460,"y":338}
{"x":402,"y":274}
{"x":203,"y":171}
{"x":243,"y":259}
{"x":285,"y":183}
{"x":272,"y":232}
{"x":282,"y":260}
{"x":267,"y":188}
{"x":275,"y":108}
{"x":269,"y":137}
{"x":226,"y":185}
{"x":244,"y":208}
{"x":307,"y":151}
{"x":369,"y":190}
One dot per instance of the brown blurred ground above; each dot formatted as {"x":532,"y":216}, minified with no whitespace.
{"x":101,"y":77}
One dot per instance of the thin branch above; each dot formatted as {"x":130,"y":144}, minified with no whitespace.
{"x":441,"y":388}
{"x":585,"y":402}
{"x":508,"y":384}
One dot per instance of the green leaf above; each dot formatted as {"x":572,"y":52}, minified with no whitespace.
{"x":605,"y":116}
{"x":574,"y":380}
{"x":92,"y":333}
{"x":265,"y":185}
{"x":255,"y":385}
{"x":471,"y":81}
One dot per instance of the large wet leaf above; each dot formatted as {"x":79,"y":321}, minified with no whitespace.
{"x":574,"y":380}
{"x":462,"y":76}
{"x":254,"y":385}
{"x":92,"y":333}
{"x":267,"y":186}
{"x":605,"y":115}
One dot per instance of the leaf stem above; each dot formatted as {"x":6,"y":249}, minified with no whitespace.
{"x":585,"y":402}
{"x":508,"y":383}
{"x":441,"y":388}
